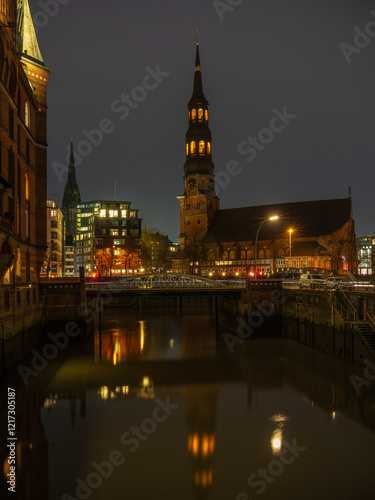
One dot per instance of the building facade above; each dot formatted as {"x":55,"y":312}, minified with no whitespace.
{"x":108,"y":238}
{"x":366,"y":255}
{"x":53,"y":258}
{"x":23,"y":163}
{"x":243,"y":240}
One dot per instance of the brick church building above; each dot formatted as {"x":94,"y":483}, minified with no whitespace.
{"x":307,"y":235}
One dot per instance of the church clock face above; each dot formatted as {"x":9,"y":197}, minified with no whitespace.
{"x":191,"y":182}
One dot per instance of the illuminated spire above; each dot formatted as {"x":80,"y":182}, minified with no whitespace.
{"x":198,"y":86}
{"x":27,"y":40}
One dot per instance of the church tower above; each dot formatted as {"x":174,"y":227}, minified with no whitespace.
{"x":71,"y":198}
{"x":199,"y":201}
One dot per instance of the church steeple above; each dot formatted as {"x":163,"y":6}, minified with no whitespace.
{"x":71,"y":198}
{"x":199,"y":202}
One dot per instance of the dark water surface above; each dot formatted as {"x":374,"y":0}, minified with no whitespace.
{"x":158,"y":408}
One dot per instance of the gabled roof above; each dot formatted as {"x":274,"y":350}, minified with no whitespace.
{"x":310,"y":219}
{"x":27,"y":41}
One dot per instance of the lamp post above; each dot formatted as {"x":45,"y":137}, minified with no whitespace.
{"x":290,"y":246}
{"x":274,"y":217}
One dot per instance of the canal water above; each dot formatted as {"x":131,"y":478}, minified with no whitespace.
{"x":158,"y":407}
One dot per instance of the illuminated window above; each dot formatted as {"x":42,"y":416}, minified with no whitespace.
{"x":187,"y":148}
{"x":117,"y":252}
{"x":209,"y":148}
{"x":206,"y":115}
{"x":113,"y":213}
{"x":123,"y":214}
{"x":102,"y":213}
{"x":193,"y":114}
{"x":27,"y":187}
{"x":114,"y":232}
{"x":27,"y":223}
{"x":200,"y":114}
{"x":201,"y":147}
{"x":27,"y":114}
{"x":192,"y":147}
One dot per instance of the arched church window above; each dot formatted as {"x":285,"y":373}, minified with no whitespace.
{"x":201,"y":147}
{"x":281,"y":252}
{"x":211,"y":254}
{"x":203,"y":181}
{"x":193,"y":114}
{"x":243,"y":254}
{"x":206,"y":115}
{"x":225,"y":255}
{"x":231,"y":255}
{"x":261,"y":254}
{"x":187,"y":149}
{"x":200,"y":114}
{"x":192,"y":147}
{"x":249,"y":254}
{"x":209,"y":148}
{"x":268,"y":253}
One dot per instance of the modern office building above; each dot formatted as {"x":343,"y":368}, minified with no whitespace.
{"x":108,"y":239}
{"x":366,"y":255}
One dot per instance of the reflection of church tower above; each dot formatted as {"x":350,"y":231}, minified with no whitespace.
{"x":201,"y":422}
{"x":199,"y":201}
{"x":71,"y":199}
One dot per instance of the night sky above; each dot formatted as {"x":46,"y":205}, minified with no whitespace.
{"x":256,"y":57}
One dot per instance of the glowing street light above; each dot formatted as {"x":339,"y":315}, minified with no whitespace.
{"x":290,"y":245}
{"x":274,"y":217}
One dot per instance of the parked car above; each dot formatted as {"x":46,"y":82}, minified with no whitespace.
{"x":338,"y":283}
{"x":312,"y":281}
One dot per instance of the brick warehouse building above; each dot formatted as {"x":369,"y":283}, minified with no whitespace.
{"x":215,"y":241}
{"x":23,"y":160}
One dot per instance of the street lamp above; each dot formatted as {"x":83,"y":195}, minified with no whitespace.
{"x":290,"y":245}
{"x":274,"y":217}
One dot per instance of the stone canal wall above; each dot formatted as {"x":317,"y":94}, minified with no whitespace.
{"x":310,"y":317}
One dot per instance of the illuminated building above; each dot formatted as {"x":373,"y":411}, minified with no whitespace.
{"x":214,"y":241}
{"x":23,"y":167}
{"x":108,"y":237}
{"x":366,"y":255}
{"x":53,"y":259}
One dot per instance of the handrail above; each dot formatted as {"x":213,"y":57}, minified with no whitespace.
{"x":351,"y":306}
{"x":372,"y":320}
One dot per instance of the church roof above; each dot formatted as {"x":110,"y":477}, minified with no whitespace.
{"x":310,"y":219}
{"x":27,"y":40}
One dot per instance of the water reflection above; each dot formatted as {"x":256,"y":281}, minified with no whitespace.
{"x":236,"y":412}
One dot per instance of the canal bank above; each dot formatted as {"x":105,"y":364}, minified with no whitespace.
{"x":334,"y":322}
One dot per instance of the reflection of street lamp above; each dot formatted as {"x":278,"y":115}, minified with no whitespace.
{"x":274,"y":217}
